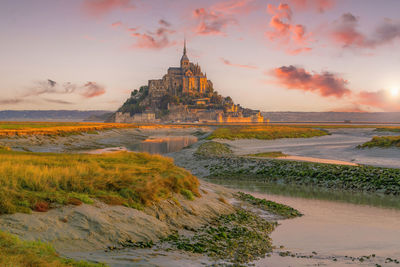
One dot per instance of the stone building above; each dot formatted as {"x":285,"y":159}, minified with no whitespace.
{"x":186,"y":79}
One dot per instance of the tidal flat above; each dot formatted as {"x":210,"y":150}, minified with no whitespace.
{"x":183,"y":229}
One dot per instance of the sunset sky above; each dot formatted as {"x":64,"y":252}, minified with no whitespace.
{"x":295,"y":55}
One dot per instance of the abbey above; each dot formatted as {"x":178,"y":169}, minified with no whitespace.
{"x":184,"y":94}
{"x":186,"y":79}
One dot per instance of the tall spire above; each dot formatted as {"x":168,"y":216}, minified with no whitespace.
{"x":184,"y":47}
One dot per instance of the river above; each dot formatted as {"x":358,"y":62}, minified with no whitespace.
{"x":331,"y":228}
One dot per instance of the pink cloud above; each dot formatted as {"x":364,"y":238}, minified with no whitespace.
{"x":293,"y":36}
{"x":215,"y":19}
{"x":92,"y":89}
{"x":211,"y":22}
{"x":345,"y":33}
{"x":116,"y":24}
{"x":234,"y":6}
{"x":99,"y":8}
{"x":325,"y":84}
{"x":315,"y":5}
{"x":154,"y":40}
{"x":228,"y":63}
{"x":379,"y":99}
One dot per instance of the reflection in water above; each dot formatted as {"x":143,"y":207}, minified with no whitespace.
{"x":163,"y":145}
{"x":378,"y":200}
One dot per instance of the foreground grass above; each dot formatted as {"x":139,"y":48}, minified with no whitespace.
{"x":17,"y":253}
{"x":352,"y":178}
{"x":270,"y":206}
{"x":264,"y":132}
{"x":240,"y":237}
{"x":382,"y":141}
{"x":271,"y":154}
{"x":39,"y":181}
{"x":213,"y":149}
{"x":55,"y":128}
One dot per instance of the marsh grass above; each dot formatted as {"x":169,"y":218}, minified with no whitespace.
{"x":213,"y":149}
{"x":29,"y":180}
{"x":264,"y":132}
{"x":55,"y":128}
{"x":271,"y":154}
{"x":17,"y":253}
{"x":382,"y":141}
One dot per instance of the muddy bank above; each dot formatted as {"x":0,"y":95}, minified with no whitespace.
{"x":129,"y":138}
{"x":95,"y":227}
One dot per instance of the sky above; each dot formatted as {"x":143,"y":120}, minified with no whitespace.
{"x":293,"y":55}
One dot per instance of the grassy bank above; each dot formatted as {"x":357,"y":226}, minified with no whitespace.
{"x":17,"y":253}
{"x":271,"y":154}
{"x":392,"y":129}
{"x":39,"y":181}
{"x":213,"y":149}
{"x":55,"y":128}
{"x":353,"y":178}
{"x":270,"y":206}
{"x":264,"y":132}
{"x":237,"y":238}
{"x":382,"y":141}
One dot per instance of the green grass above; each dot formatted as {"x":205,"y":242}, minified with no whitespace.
{"x":238,"y":238}
{"x":272,"y":154}
{"x":388,"y":129}
{"x":17,"y":253}
{"x":330,"y":176}
{"x":39,"y":181}
{"x":264,"y":132}
{"x":382,"y":141}
{"x":270,"y":206}
{"x":213,"y":149}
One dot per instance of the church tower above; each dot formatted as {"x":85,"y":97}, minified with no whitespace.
{"x":184,"y":59}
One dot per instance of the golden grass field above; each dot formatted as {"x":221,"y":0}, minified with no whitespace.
{"x":264,"y":132}
{"x":55,"y":128}
{"x":39,"y":181}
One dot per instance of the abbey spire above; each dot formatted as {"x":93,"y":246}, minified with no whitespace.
{"x":184,"y":60}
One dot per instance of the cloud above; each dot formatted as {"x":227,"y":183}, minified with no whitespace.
{"x":211,"y":22}
{"x":92,"y":89}
{"x":234,"y":6}
{"x":116,"y":24}
{"x":228,"y":63}
{"x":379,"y":99}
{"x":314,"y":5}
{"x":345,"y":33}
{"x":10,"y":101}
{"x":325,"y":84}
{"x":354,"y":108}
{"x":154,"y":40}
{"x":99,"y":8}
{"x":164,"y":23}
{"x":293,"y":36}
{"x":58,"y":101}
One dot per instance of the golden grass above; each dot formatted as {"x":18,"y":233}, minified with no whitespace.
{"x":55,"y":128}
{"x":17,"y":253}
{"x":264,"y":132}
{"x":122,"y":178}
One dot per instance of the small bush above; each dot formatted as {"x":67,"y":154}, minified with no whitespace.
{"x":187,"y":194}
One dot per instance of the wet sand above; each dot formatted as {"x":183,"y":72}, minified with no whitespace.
{"x":341,"y":145}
